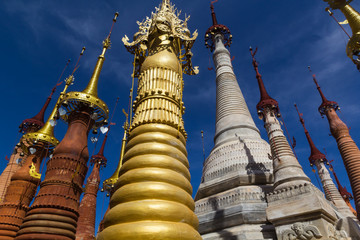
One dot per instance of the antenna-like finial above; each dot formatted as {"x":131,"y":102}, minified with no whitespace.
{"x":332,"y":15}
{"x":77,"y":62}
{"x":265,"y":99}
{"x":216,"y":29}
{"x":325,"y":103}
{"x":112,"y":25}
{"x":213,"y":14}
{"x":315,"y":155}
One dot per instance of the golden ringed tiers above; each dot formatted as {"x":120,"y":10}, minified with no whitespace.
{"x":153,"y":193}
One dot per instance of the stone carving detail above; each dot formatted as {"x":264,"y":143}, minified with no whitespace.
{"x":336,"y":234}
{"x":230,"y":199}
{"x":301,"y":232}
{"x":292,"y":191}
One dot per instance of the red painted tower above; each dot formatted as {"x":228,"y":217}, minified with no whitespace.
{"x":318,"y":159}
{"x":348,"y":149}
{"x":25,"y":181}
{"x":55,"y":211}
{"x":87,"y":212}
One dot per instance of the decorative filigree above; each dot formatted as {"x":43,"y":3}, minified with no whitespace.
{"x":165,"y":20}
{"x":107,"y":43}
{"x":299,"y":231}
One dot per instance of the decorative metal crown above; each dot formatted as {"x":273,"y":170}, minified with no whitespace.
{"x":217,"y":29}
{"x":166,"y":20}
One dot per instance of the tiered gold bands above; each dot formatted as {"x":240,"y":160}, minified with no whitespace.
{"x":154,"y":191}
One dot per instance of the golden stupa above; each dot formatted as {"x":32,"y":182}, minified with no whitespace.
{"x":152,"y":198}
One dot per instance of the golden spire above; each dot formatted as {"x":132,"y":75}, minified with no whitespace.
{"x":152,"y":195}
{"x":108,"y":184}
{"x":89,"y":96}
{"x":46,"y":133}
{"x":353,"y":18}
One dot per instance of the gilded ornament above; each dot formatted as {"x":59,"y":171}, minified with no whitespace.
{"x":33,"y":173}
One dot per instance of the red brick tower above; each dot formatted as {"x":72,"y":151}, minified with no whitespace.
{"x":55,"y":210}
{"x":25,"y":181}
{"x":87,"y":212}
{"x":17,"y":158}
{"x":36,"y":145}
{"x":348,"y":149}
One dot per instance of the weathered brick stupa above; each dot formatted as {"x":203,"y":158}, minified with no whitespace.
{"x":348,"y":149}
{"x":296,"y":207}
{"x":25,"y":181}
{"x":18,"y":156}
{"x":318,"y":159}
{"x":55,"y":210}
{"x":87,"y":211}
{"x":230,"y":201}
{"x":152,"y":198}
{"x":353,"y":18}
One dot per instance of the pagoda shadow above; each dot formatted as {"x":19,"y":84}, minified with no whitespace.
{"x":256,"y":171}
{"x":219,"y":219}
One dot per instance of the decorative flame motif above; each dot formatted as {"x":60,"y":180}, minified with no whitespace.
{"x":33,"y":172}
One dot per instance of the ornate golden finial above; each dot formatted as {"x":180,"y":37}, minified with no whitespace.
{"x":164,"y":23}
{"x":89,"y":96}
{"x":353,"y":18}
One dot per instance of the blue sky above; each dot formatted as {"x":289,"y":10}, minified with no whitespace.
{"x":37,"y":38}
